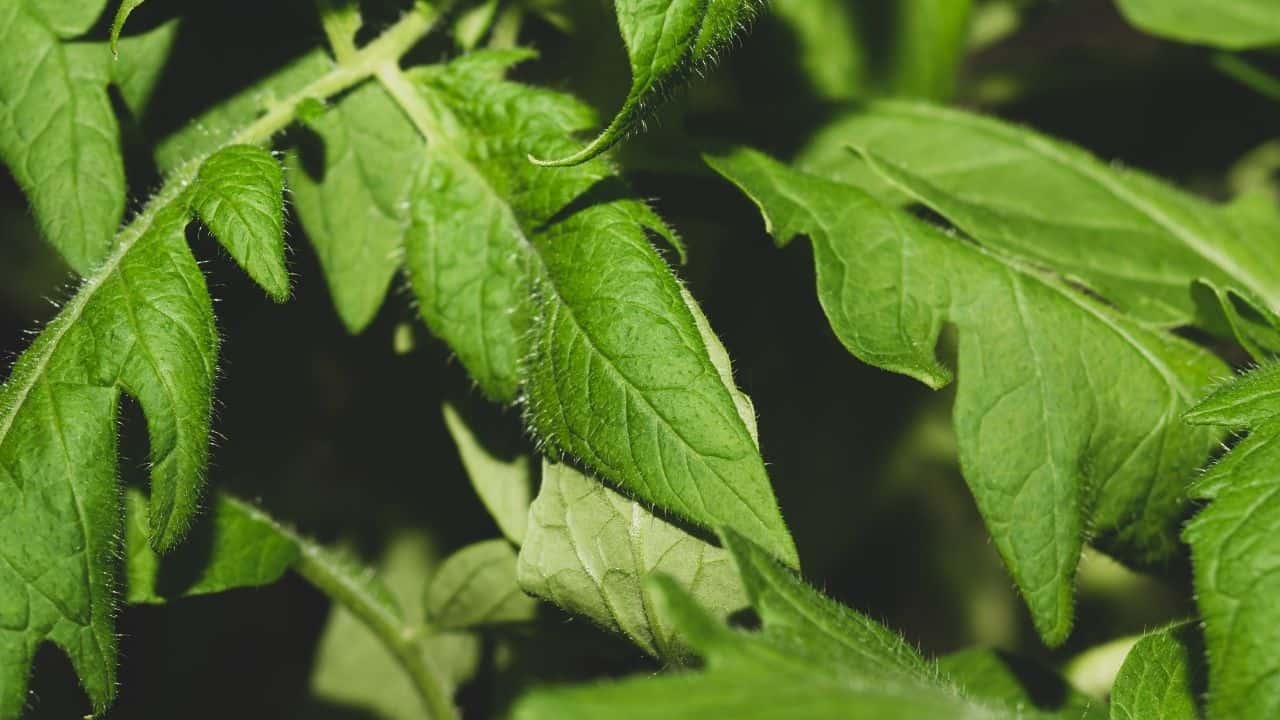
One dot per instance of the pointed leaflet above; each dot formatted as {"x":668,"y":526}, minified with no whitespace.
{"x":355,"y":208}
{"x":1135,"y":240}
{"x":666,"y":41}
{"x":589,"y":548}
{"x":1235,"y":551}
{"x":504,"y":486}
{"x":813,"y":659}
{"x":58,"y":134}
{"x":1048,"y":446}
{"x":1161,"y":678}
{"x":481,"y":205}
{"x":117,"y":23}
{"x":141,"y":324}
{"x":239,"y":196}
{"x":1231,"y":24}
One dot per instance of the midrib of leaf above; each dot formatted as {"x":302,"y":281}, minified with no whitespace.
{"x":1117,"y":189}
{"x":392,"y":44}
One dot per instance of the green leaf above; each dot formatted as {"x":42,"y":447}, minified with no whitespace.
{"x":469,"y":251}
{"x":620,"y":377}
{"x":142,"y":324}
{"x":1161,"y":678}
{"x":666,"y":41}
{"x":504,"y":486}
{"x":1131,"y":238}
{"x":1233,"y":550}
{"x":117,"y":23}
{"x":139,"y":62}
{"x":588,"y":550}
{"x":477,"y":586}
{"x":1047,"y":450}
{"x":235,"y":545}
{"x":58,"y":134}
{"x":239,"y":196}
{"x":1232,"y":24}
{"x":353,"y":666}
{"x":931,"y":40}
{"x":813,"y":659}
{"x":998,"y":677}
{"x":356,"y":216}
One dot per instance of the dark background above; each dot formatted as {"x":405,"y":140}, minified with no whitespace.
{"x":342,"y":437}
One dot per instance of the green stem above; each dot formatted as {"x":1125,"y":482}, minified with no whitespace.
{"x":401,"y":639}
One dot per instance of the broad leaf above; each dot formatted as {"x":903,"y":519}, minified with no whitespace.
{"x":58,"y":134}
{"x":589,"y":549}
{"x":142,"y":324}
{"x":1048,"y":448}
{"x":1161,"y":678}
{"x":482,"y":205}
{"x":477,"y":586}
{"x":1131,"y":238}
{"x":813,"y":659}
{"x":355,"y":211}
{"x":504,"y":486}
{"x":666,"y":41}
{"x":1234,"y":551}
{"x":1232,"y":24}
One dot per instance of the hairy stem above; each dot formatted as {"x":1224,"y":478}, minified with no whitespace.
{"x":401,"y":639}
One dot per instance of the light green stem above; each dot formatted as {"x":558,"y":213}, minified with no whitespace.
{"x":400,"y":638}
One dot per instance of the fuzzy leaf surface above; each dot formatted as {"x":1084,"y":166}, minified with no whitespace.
{"x":1161,"y":678}
{"x":239,"y":195}
{"x":1234,"y":550}
{"x":1046,"y":446}
{"x":666,"y":41}
{"x":143,"y":325}
{"x":813,"y":659}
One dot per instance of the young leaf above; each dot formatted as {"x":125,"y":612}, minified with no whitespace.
{"x":504,"y":486}
{"x":1131,"y":238}
{"x":477,"y":586}
{"x":1231,"y":24}
{"x":58,"y":134}
{"x":1047,"y":449}
{"x":931,"y":39}
{"x":1161,"y":678}
{"x":142,"y":324}
{"x":666,"y":41}
{"x":245,"y":548}
{"x":588,"y":550}
{"x":239,"y":195}
{"x":1233,"y":550}
{"x":813,"y":659}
